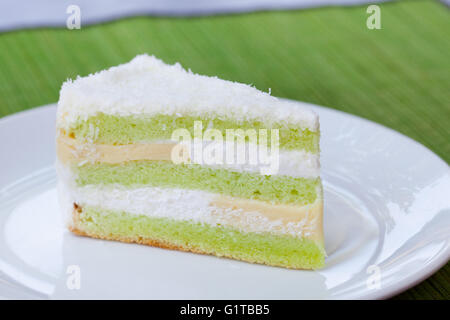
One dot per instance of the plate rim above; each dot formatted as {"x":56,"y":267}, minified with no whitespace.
{"x":392,"y":289}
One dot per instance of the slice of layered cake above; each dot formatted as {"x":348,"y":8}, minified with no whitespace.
{"x":153,"y":154}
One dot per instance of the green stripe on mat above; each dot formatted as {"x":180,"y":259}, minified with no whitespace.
{"x":398,"y":76}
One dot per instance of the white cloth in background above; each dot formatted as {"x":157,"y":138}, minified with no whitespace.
{"x":17,"y":14}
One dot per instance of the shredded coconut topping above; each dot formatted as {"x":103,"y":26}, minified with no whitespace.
{"x":146,"y":85}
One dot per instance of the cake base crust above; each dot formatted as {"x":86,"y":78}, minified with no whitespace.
{"x":165,"y":245}
{"x":76,"y":228}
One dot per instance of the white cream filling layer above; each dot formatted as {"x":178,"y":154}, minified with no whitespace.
{"x":190,"y":205}
{"x":242,"y":157}
{"x":248,"y":157}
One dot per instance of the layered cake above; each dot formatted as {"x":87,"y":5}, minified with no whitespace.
{"x":154,"y":154}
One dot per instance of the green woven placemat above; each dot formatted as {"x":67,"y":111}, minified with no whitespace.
{"x":398,"y":76}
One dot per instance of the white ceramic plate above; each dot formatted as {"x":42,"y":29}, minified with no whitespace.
{"x":387,"y":226}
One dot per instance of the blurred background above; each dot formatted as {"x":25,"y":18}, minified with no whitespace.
{"x":395,"y":71}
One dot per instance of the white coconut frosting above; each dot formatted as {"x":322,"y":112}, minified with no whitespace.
{"x":146,"y":85}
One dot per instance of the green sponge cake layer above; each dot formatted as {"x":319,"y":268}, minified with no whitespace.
{"x":110,"y":129}
{"x":266,"y":248}
{"x":276,"y":189}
